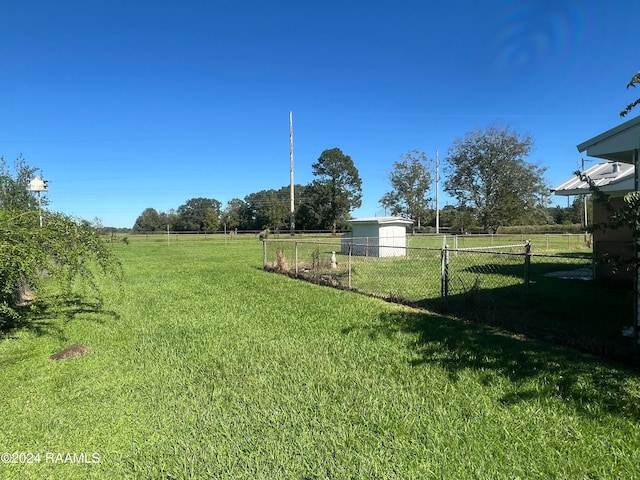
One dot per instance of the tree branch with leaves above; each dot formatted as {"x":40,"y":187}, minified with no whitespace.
{"x":635,"y":80}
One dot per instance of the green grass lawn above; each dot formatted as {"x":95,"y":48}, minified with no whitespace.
{"x":205,"y":366}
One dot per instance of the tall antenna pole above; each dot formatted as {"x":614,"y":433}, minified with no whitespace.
{"x":292,"y":219}
{"x":437,"y":207}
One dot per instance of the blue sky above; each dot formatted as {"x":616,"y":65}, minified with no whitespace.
{"x":126,"y":105}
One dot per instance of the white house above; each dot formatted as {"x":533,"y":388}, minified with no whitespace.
{"x":377,"y":237}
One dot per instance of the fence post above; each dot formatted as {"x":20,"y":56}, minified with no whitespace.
{"x":349,"y":265}
{"x":527,"y":264}
{"x":444,"y":272}
{"x":264,"y":253}
{"x":296,"y":267}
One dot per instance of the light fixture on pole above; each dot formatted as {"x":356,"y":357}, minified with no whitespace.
{"x":38,"y":185}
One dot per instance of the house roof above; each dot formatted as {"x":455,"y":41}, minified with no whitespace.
{"x":616,"y":144}
{"x":608,"y":176}
{"x":381,"y":221}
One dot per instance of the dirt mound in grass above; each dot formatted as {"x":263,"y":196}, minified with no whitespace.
{"x":72,"y":351}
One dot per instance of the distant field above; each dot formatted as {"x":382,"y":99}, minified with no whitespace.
{"x":205,"y":366}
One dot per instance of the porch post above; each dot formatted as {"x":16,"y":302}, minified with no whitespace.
{"x":636,"y":277}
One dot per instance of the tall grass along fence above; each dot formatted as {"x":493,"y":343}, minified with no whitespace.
{"x":420,"y":275}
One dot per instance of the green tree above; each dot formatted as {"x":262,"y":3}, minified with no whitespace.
{"x":487,"y":171}
{"x":458,"y":219}
{"x":211,"y":220}
{"x":635,"y":80}
{"x":168,"y":219}
{"x":69,"y":250}
{"x":149,"y":221}
{"x":410,"y":182}
{"x":311,"y":208}
{"x":236,"y":215}
{"x":339,"y":184}
{"x":13,"y":186}
{"x":268,"y":209}
{"x":560,"y":215}
{"x":191,"y":216}
{"x":572,"y":214}
{"x":462,"y":221}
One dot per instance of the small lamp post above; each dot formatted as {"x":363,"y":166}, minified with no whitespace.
{"x":38,"y":185}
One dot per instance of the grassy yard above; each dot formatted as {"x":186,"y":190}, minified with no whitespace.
{"x":205,"y":366}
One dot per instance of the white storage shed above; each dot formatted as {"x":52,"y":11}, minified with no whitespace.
{"x":377,"y":237}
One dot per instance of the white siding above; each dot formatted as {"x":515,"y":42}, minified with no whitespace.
{"x":393,"y":241}
{"x":377,"y":237}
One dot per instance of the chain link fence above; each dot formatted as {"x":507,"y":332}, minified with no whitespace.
{"x":421,"y":276}
{"x":518,"y":287}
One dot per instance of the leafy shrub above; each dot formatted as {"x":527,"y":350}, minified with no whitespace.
{"x":64,"y":249}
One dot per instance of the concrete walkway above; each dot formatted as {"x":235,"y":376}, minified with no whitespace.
{"x":577,"y":274}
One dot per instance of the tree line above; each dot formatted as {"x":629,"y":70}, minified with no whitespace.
{"x":324,"y":204}
{"x":487,"y":172}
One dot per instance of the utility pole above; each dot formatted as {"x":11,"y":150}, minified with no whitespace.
{"x":437,"y":206}
{"x":292,"y":218}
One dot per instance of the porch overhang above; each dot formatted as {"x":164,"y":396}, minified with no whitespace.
{"x":617,"y":144}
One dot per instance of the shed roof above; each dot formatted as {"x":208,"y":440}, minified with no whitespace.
{"x":381,"y":221}
{"x":608,"y":176}
{"x":616,"y":144}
